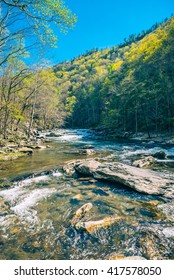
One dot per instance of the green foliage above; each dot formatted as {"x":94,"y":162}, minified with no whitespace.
{"x":125,"y":88}
{"x":38,"y":18}
{"x":128,"y":87}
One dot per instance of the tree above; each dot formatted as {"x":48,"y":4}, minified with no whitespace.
{"x":11,"y":86}
{"x":25,"y":24}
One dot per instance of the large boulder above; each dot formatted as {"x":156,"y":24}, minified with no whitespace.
{"x":87,"y":167}
{"x":141,"y":180}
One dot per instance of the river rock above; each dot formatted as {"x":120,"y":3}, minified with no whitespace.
{"x":41,"y":137}
{"x":87,"y":167}
{"x":88,"y":147}
{"x":5,"y":184}
{"x":133,"y":258}
{"x":121,"y":257}
{"x":151,"y":143}
{"x":170,"y":142}
{"x":15,"y":231}
{"x":52,"y":134}
{"x":87,"y":152}
{"x":77,"y":197}
{"x":82,"y":211}
{"x":85,"y":179}
{"x":149,"y":248}
{"x":26,"y":150}
{"x":47,"y":141}
{"x":39,"y":147}
{"x":168,"y":210}
{"x":69,"y":168}
{"x":12,"y":146}
{"x":91,"y":226}
{"x":141,"y":180}
{"x":36,"y":147}
{"x":160,"y":155}
{"x":3,"y":208}
{"x":144,"y":162}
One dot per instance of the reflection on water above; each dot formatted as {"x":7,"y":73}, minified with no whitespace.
{"x":37,"y":211}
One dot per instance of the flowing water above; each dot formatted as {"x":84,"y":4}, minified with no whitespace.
{"x":36,"y":212}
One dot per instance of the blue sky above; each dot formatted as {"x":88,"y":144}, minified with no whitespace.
{"x":105,"y":23}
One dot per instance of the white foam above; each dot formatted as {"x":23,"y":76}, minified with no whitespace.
{"x":23,"y":208}
{"x":67,"y":135}
{"x":35,"y":180}
{"x":13,"y":194}
{"x":169,"y":232}
{"x":141,"y":152}
{"x":18,"y":189}
{"x":22,"y":199}
{"x":57,"y":174}
{"x":70,"y":137}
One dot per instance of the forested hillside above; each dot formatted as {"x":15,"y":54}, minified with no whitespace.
{"x":129,"y":87}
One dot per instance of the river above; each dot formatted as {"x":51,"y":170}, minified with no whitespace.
{"x":37,"y":210}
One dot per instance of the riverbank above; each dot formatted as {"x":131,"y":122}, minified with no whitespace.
{"x":19,"y":146}
{"x":164,"y":139}
{"x":16,"y":147}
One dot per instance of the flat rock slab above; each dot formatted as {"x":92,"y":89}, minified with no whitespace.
{"x":141,"y":180}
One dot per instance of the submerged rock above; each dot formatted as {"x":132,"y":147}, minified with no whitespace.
{"x":160,"y":155}
{"x":15,"y":231}
{"x":141,"y":180}
{"x":87,"y":152}
{"x":168,"y":210}
{"x":3,"y":208}
{"x":88,"y":147}
{"x":121,"y":257}
{"x":26,"y":150}
{"x":149,"y":248}
{"x":82,"y":211}
{"x":91,"y":226}
{"x":144,"y":162}
{"x":77,"y":197}
{"x":133,"y":258}
{"x":5,"y":184}
{"x":53,"y":134}
{"x":40,"y":147}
